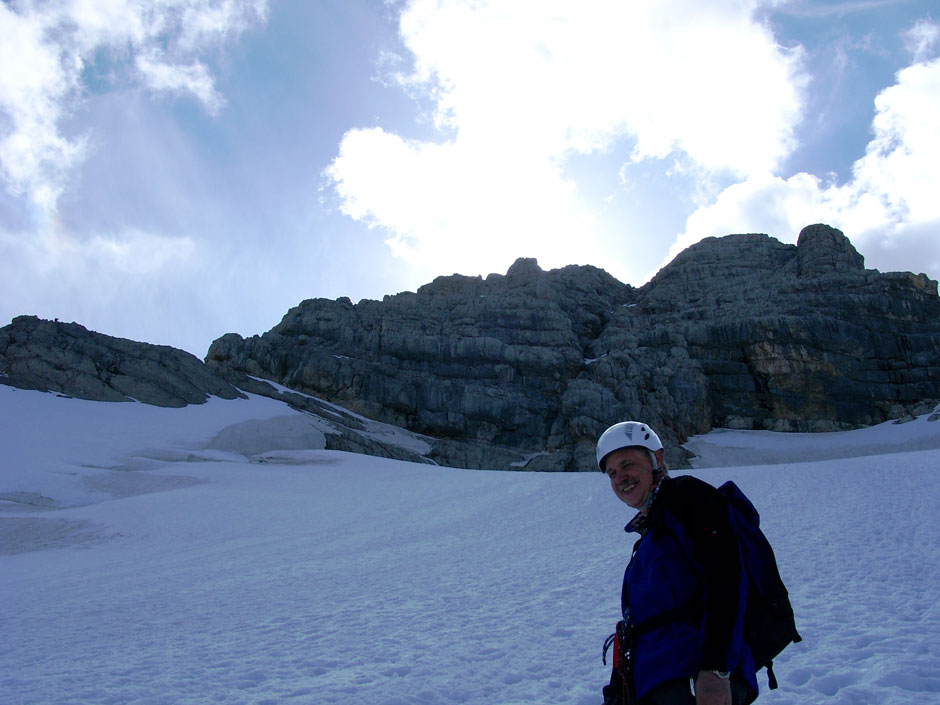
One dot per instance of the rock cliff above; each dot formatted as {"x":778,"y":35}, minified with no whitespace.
{"x":526,"y":369}
{"x":70,"y":359}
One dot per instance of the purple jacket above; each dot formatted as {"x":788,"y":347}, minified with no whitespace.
{"x":685,"y":588}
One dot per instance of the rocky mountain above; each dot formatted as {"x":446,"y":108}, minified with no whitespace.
{"x":526,"y":369}
{"x":68,"y":359}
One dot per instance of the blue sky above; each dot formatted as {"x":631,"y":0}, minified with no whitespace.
{"x":174,"y":171}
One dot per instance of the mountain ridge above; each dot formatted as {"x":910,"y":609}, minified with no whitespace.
{"x":525,"y":369}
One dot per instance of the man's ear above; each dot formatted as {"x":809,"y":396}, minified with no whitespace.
{"x":660,"y":459}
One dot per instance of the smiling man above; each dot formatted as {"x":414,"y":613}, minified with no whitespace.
{"x":683,"y":593}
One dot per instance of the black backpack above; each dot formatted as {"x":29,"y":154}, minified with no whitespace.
{"x":769,"y":625}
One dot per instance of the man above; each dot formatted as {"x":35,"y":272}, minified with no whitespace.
{"x":684,"y":588}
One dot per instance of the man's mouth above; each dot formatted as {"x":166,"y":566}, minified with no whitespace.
{"x":627,"y":487}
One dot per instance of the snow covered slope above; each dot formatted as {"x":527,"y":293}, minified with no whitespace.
{"x":725,"y":448}
{"x":142,"y":562}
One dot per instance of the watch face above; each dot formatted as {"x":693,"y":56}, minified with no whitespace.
{"x":722,"y":674}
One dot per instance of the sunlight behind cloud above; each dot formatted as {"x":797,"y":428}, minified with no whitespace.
{"x":51,"y":44}
{"x":890,"y":199}
{"x":456,"y":207}
{"x":34,"y":156}
{"x":59,"y":58}
{"x":253,"y":154}
{"x":520,"y":88}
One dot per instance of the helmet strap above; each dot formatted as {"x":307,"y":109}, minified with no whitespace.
{"x":658,"y":475}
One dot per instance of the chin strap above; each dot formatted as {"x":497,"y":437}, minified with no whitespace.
{"x":658,"y":475}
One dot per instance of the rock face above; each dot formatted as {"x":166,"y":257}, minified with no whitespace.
{"x":479,"y":365}
{"x":69,"y":359}
{"x":526,"y":369}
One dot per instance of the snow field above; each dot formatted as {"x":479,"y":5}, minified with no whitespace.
{"x":171,"y":572}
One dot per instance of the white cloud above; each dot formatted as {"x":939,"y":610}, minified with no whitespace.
{"x":208,"y":22}
{"x":105,"y":258}
{"x":130,"y":283}
{"x":521,"y":87}
{"x":902,"y":162}
{"x":33,"y":155}
{"x":52,"y":43}
{"x":922,"y":40}
{"x":194,"y":79}
{"x":453,"y":206}
{"x":889,"y":208}
{"x":125,"y":280}
{"x":761,"y":203}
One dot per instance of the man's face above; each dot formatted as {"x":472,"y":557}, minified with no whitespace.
{"x":631,"y":475}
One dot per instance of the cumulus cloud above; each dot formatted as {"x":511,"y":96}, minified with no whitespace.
{"x":889,"y":206}
{"x":33,"y":154}
{"x":452,"y":205}
{"x":52,"y":43}
{"x":520,"y":88}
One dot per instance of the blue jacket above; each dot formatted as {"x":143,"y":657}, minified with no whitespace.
{"x":685,"y":588}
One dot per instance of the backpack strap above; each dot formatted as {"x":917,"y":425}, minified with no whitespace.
{"x":771,"y":678}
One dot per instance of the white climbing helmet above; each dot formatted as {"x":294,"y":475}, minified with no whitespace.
{"x":627,"y":434}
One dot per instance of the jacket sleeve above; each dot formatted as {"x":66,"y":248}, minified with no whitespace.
{"x":704,"y":516}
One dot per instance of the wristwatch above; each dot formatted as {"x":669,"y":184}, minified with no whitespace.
{"x":722,"y":674}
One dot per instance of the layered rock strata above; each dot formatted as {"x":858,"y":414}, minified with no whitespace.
{"x":68,"y":359}
{"x":72,"y":360}
{"x":526,"y":369}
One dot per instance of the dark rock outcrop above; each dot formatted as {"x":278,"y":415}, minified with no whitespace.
{"x":479,"y":365}
{"x":526,"y":369}
{"x":69,"y":359}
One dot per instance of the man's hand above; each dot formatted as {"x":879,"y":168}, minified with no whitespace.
{"x":711,"y":689}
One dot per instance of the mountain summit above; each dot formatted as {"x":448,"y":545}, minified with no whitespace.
{"x":526,"y":369}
